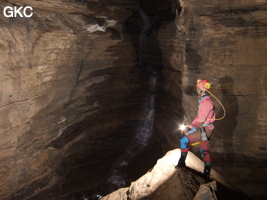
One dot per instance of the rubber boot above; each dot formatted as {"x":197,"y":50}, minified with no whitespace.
{"x":181,"y":162}
{"x":207,"y":168}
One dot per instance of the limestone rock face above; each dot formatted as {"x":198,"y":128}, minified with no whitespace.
{"x":80,"y":78}
{"x":72,"y":97}
{"x":225,"y":42}
{"x":64,"y":78}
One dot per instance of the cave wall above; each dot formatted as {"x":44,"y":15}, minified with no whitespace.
{"x":225,"y":42}
{"x":68,"y":77}
{"x":72,"y":96}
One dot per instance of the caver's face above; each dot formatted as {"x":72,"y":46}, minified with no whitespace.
{"x":200,"y":92}
{"x":199,"y":85}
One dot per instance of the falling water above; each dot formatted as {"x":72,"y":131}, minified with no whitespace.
{"x":117,"y":178}
{"x":146,"y":23}
{"x":142,"y":38}
{"x":153,"y":83}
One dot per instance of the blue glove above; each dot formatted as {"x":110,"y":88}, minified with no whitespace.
{"x":191,"y":131}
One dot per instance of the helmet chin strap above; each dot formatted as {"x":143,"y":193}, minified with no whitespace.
{"x":201,"y":92}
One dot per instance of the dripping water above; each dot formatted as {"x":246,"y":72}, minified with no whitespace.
{"x":145,"y":27}
{"x":118,"y":174}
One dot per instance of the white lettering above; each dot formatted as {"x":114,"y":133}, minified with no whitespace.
{"x":8,"y":13}
{"x":24,"y":11}
{"x":20,"y":11}
{"x":17,"y":11}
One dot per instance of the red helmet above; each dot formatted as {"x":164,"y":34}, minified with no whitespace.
{"x":203,"y":84}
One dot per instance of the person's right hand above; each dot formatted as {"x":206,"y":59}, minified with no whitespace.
{"x":189,"y":126}
{"x":191,"y":131}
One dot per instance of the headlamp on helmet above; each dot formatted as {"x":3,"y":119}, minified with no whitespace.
{"x":203,"y":84}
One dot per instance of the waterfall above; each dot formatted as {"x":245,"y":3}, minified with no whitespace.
{"x":145,"y":27}
{"x":148,"y":51}
{"x":153,"y":83}
{"x":118,"y":174}
{"x":146,"y":24}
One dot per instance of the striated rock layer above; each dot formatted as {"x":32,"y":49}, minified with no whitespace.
{"x":225,"y":42}
{"x":76,"y":78}
{"x":72,"y":97}
{"x":68,"y":76}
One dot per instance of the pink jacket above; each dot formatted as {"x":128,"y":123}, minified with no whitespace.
{"x":205,"y":113}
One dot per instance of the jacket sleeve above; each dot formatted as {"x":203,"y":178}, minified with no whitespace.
{"x":203,"y":111}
